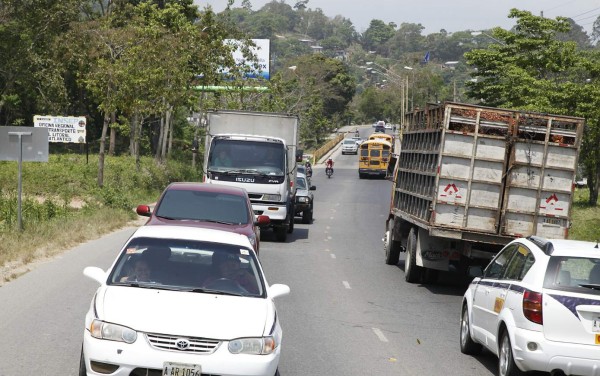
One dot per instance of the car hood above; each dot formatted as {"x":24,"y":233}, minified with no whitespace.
{"x":185,"y":313}
{"x":301,"y":192}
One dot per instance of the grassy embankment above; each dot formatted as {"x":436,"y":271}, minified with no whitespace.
{"x":62,"y":204}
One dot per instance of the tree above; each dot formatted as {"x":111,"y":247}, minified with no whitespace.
{"x":377,"y":35}
{"x":529,"y":68}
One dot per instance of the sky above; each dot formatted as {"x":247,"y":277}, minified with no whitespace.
{"x":434,"y":15}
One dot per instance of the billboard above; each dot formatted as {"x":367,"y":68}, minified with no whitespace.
{"x":68,"y":129}
{"x":262,"y":51}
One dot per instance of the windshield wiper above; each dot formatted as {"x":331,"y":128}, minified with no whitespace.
{"x":216,"y":292}
{"x":165,"y":217}
{"x":594,"y":286}
{"x":212,"y":221}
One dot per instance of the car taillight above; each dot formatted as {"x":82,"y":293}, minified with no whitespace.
{"x":532,"y":306}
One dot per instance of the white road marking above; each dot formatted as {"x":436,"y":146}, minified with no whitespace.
{"x":347,"y":285}
{"x":331,"y":218}
{"x":327,"y":250}
{"x":332,"y":256}
{"x":329,"y":238}
{"x":379,"y":335}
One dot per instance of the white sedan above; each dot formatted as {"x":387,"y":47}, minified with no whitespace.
{"x":537,"y":307}
{"x":182,"y":301}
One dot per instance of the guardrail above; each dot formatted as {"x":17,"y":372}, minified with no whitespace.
{"x":320,"y":152}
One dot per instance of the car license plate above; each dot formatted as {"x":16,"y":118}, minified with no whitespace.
{"x":596,"y":325}
{"x":180,"y":369}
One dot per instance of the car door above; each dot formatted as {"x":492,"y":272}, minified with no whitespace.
{"x":507,"y":292}
{"x":484,"y":298}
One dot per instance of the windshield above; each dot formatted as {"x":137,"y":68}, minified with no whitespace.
{"x":301,"y":183}
{"x":186,"y":265}
{"x":249,"y":157}
{"x":203,"y":206}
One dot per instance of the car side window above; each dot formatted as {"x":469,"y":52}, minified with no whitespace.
{"x":496,"y":267}
{"x":516,"y":265}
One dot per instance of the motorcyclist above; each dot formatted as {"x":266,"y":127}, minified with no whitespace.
{"x":329,"y":164}
{"x":308,"y":169}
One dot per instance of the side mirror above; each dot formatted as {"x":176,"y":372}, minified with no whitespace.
{"x":95,"y":273}
{"x":143,"y":210}
{"x":313,"y":188}
{"x":278,"y":290}
{"x":475,"y":271}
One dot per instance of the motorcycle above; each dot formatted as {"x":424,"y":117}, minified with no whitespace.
{"x":329,"y":171}
{"x":308,"y":171}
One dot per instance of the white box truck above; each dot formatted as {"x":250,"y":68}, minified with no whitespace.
{"x":468,"y":179}
{"x":255,"y":151}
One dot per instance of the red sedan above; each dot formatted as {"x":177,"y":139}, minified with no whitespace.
{"x":206,"y":205}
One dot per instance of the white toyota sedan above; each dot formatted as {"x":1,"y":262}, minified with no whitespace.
{"x":182,"y":301}
{"x":537,"y":307}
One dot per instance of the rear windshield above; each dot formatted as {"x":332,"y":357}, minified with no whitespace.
{"x":204,"y":206}
{"x":576,"y":274}
{"x":350,"y":142}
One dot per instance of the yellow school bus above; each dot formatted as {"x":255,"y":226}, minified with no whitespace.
{"x":384,"y":137}
{"x":374,"y":158}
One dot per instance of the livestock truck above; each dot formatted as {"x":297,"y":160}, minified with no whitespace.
{"x":468,"y":179}
{"x":255,"y":151}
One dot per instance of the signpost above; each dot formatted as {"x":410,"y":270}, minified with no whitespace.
{"x":23,"y":144}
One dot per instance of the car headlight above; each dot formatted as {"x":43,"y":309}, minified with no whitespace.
{"x":302,"y":199}
{"x":112,"y":332}
{"x":272,"y":198}
{"x":255,"y":346}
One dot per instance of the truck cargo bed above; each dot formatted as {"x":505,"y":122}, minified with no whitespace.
{"x":489,"y":171}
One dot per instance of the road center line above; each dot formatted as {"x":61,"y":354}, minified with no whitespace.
{"x":379,"y":335}
{"x":346,"y":285}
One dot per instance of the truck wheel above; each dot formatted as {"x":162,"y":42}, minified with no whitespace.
{"x":412,"y":272}
{"x":280,"y":233}
{"x":391,"y":246}
{"x":290,"y":227}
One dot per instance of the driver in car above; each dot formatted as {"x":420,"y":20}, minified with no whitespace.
{"x":227,"y":266}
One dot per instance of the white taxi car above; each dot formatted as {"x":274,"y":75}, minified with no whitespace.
{"x":537,"y":307}
{"x":182,"y":301}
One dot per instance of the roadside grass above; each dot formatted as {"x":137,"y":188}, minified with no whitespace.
{"x":585,"y":219}
{"x":63,"y":206}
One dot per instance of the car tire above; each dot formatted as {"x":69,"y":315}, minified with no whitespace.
{"x":391,"y":246}
{"x":82,"y":369}
{"x":430,"y":275}
{"x":467,"y":345}
{"x":506,"y":361}
{"x":280,"y":233}
{"x":307,"y":216}
{"x":412,"y":272}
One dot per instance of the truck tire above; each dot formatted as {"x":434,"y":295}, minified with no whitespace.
{"x":412,"y":272}
{"x":391,"y":246}
{"x":290,"y":227}
{"x":280,"y":233}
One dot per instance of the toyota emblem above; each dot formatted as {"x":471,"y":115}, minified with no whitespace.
{"x":182,"y":343}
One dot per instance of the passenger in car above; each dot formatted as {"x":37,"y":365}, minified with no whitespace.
{"x":228,"y":266}
{"x":140,"y":272}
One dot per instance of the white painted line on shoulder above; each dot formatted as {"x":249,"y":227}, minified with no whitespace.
{"x":332,"y":256}
{"x":346,"y":285}
{"x":327,"y":250}
{"x":329,"y":238}
{"x":379,"y":335}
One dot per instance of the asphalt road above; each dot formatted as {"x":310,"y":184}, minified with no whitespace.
{"x":348,"y":312}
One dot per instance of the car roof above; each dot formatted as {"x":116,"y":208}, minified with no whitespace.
{"x":192,"y":233}
{"x":573,"y":248}
{"x":206,"y":187}
{"x":301,"y":175}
